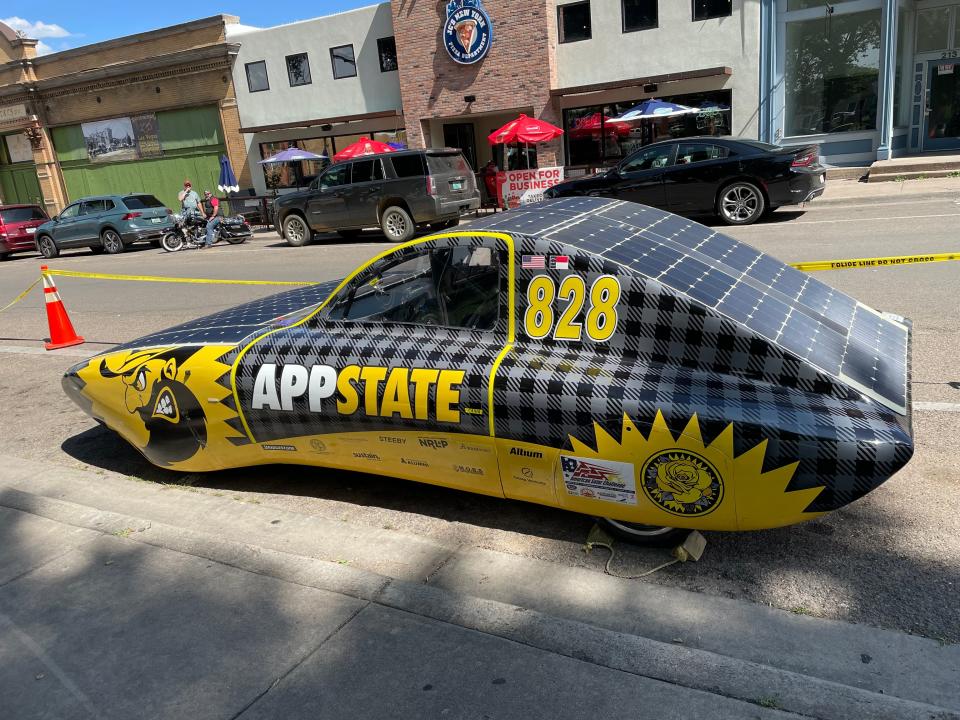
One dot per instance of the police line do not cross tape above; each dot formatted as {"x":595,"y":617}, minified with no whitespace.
{"x":812,"y":266}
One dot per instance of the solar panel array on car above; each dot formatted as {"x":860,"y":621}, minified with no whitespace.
{"x":821,"y":325}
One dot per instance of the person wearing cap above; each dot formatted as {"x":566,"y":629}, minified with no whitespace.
{"x":211,"y":210}
{"x":189,"y":200}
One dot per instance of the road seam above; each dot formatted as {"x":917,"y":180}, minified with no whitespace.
{"x":677,"y":665}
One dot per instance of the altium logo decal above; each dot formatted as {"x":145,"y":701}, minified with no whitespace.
{"x":526,"y":453}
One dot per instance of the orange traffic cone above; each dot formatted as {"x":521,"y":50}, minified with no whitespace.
{"x":62,"y":333}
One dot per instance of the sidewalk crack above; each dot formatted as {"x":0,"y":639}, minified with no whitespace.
{"x":333,"y":633}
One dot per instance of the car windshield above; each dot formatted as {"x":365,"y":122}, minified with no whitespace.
{"x":139,"y":202}
{"x":24,"y":214}
{"x":447,"y":163}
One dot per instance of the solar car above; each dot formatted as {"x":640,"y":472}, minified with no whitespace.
{"x":588,"y":354}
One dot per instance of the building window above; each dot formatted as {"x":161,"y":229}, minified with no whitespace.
{"x":573,"y":21}
{"x":387,"y":50}
{"x":257,"y":76}
{"x":706,"y":9}
{"x":933,"y":24}
{"x":344,"y":62}
{"x":596,"y":136}
{"x":639,"y":14}
{"x":298,"y":69}
{"x":831,"y":73}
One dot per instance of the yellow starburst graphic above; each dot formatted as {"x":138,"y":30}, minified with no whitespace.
{"x":683,"y":482}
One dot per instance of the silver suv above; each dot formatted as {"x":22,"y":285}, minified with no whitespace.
{"x":399,"y":192}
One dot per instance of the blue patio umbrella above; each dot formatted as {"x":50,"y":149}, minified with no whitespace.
{"x":397,"y":145}
{"x":228,"y":181}
{"x":293,"y":155}
{"x":655,"y":109}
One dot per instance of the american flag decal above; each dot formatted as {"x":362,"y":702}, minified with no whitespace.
{"x":533,"y":262}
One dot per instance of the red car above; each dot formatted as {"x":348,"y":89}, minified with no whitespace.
{"x":18,"y":224}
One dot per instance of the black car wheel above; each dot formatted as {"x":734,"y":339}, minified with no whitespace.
{"x":652,"y":535}
{"x":296,"y":231}
{"x":112,"y":242}
{"x":397,"y":224}
{"x":48,"y":248}
{"x":740,"y":203}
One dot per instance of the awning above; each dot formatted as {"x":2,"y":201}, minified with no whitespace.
{"x":639,"y":82}
{"x":322,"y":121}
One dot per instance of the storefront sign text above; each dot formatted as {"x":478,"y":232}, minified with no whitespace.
{"x":522,"y":187}
{"x":467,"y":31}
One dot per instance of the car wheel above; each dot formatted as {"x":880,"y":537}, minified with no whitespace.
{"x":48,"y":248}
{"x":96,"y":249}
{"x":296,"y":231}
{"x":171,"y":242}
{"x":651,"y":535}
{"x":397,"y":224}
{"x":155,"y":243}
{"x":348,"y":234}
{"x":112,"y":242}
{"x":740,"y":203}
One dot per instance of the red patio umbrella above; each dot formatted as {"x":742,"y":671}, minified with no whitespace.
{"x":366,"y":146}
{"x":526,"y":130}
{"x":590,"y":127}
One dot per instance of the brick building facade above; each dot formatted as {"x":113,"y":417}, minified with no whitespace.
{"x":180,"y":75}
{"x":516,"y":75}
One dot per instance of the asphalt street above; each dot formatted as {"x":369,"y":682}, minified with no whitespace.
{"x":890,"y":559}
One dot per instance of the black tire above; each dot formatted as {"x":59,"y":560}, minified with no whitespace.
{"x":740,"y":203}
{"x":349,"y":234}
{"x":155,"y":243}
{"x":171,"y":242}
{"x":397,"y":224}
{"x":112,"y":242}
{"x":96,"y":249}
{"x":235,"y":240}
{"x":47,"y":247}
{"x":296,"y":231}
{"x":649,"y":535}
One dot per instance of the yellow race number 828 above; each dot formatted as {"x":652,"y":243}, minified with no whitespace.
{"x":601,"y":319}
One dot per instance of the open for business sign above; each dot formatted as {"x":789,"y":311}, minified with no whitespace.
{"x":523,"y":187}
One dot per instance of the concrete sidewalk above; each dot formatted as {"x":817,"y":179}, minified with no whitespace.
{"x":846,"y":192}
{"x":131,"y":599}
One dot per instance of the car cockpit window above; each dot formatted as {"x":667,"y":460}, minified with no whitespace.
{"x":444,"y":287}
{"x":650,"y":159}
{"x":335,"y":176}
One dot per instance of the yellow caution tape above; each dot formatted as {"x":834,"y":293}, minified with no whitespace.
{"x":21,"y":296}
{"x":155,"y":278}
{"x":855,"y":263}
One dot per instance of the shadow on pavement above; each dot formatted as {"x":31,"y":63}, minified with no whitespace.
{"x":832,"y":561}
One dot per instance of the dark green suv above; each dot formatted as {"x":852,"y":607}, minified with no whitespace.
{"x":106,"y":223}
{"x":398,"y":192}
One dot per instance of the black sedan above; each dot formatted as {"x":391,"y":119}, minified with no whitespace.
{"x":736,"y":179}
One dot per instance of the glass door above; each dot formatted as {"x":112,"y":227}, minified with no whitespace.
{"x":941,"y":129}
{"x":460,"y":135}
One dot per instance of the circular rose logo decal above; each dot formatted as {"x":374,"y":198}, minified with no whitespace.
{"x":682,"y":482}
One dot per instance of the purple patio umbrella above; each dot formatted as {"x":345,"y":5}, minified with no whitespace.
{"x":293,"y":155}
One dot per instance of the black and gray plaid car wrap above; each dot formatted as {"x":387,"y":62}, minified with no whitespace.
{"x":706,"y":326}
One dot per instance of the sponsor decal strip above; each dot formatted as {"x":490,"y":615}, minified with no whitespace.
{"x":856,"y":263}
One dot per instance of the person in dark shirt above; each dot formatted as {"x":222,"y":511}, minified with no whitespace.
{"x":211,"y":210}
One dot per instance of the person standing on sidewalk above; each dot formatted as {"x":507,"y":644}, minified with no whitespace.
{"x":211,"y":210}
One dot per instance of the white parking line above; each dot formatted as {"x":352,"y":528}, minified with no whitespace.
{"x":76,"y":351}
{"x":766,"y":226}
{"x":937,"y":406}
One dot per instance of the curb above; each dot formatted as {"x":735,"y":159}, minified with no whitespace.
{"x":681,"y":666}
{"x":884,"y":198}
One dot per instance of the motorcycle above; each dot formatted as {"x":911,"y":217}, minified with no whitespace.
{"x":190,"y":232}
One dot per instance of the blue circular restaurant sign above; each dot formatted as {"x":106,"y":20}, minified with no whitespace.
{"x":467,"y":32}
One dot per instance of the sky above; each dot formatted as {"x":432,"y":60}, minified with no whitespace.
{"x":64,"y":24}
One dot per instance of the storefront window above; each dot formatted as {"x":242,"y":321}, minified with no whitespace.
{"x":901,"y":110}
{"x":596,"y":135}
{"x":804,"y":4}
{"x":574,"y":22}
{"x":932,"y":28}
{"x":832,"y":68}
